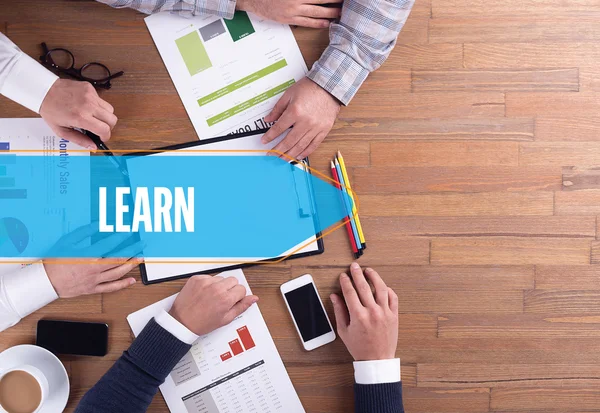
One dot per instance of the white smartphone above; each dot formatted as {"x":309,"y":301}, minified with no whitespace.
{"x":307,"y":311}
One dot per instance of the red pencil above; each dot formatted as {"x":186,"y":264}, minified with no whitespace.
{"x":338,"y":185}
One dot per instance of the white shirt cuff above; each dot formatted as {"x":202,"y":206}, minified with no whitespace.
{"x":377,"y":371}
{"x":28,"y":83}
{"x":29,"y":289}
{"x":181,"y":332}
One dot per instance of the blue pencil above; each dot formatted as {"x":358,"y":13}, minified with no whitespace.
{"x":348,"y":206}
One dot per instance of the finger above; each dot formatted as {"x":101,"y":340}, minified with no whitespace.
{"x":289,"y":141}
{"x":393,"y":299}
{"x":342,"y":318}
{"x":229,"y":282}
{"x":301,"y":145}
{"x":105,"y":105}
{"x":278,"y":109}
{"x":114,"y":286}
{"x":240,"y":307}
{"x":352,"y":301}
{"x":106,"y":117}
{"x":236,"y":294}
{"x":77,"y":138}
{"x":95,"y":126}
{"x":381,"y":290}
{"x":362,"y":286}
{"x":326,"y":1}
{"x":281,"y":126}
{"x":310,"y":22}
{"x":312,"y":146}
{"x":118,"y":272}
{"x":320,"y":12}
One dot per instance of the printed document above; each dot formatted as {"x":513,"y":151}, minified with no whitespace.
{"x":228,"y":73}
{"x":233,"y":369}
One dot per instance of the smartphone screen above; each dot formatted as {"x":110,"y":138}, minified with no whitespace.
{"x":69,"y":337}
{"x":308,"y":312}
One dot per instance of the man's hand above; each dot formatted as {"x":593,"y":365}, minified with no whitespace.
{"x":102,"y":276}
{"x":70,"y":104}
{"x":206,"y":303}
{"x":307,"y":13}
{"x":367,"y":322}
{"x":311,"y":110}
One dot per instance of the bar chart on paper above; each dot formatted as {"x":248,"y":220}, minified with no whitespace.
{"x":8,"y":189}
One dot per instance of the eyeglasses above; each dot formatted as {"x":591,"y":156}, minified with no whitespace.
{"x":63,"y":61}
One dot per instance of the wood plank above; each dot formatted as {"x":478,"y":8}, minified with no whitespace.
{"x":444,"y":153}
{"x":509,"y":251}
{"x":538,"y":80}
{"x":485,"y":203}
{"x":425,"y":105}
{"x":356,"y":154}
{"x":448,"y":129}
{"x":452,"y":8}
{"x":545,"y":399}
{"x":521,"y":55}
{"x":559,"y":153}
{"x":558,"y":277}
{"x":484,"y":226}
{"x":424,"y":56}
{"x":577,"y":178}
{"x":432,"y":301}
{"x":542,"y":28}
{"x":420,"y":400}
{"x":562,"y":302}
{"x":577,"y":202}
{"x":456,"y":179}
{"x":506,"y":375}
{"x":595,"y":253}
{"x":566,"y":129}
{"x":531,"y":325}
{"x":552,"y":104}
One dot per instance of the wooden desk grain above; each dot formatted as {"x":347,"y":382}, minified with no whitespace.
{"x":474,"y":151}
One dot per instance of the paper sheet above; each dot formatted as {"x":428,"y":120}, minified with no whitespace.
{"x":233,"y":369}
{"x":35,"y":134}
{"x":228,"y":73}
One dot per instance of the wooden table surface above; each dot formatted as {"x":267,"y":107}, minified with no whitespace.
{"x":474,"y":151}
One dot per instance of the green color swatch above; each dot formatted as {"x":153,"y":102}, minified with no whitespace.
{"x":242,"y":82}
{"x":193,"y":53}
{"x":249,"y":103}
{"x":240,"y":26}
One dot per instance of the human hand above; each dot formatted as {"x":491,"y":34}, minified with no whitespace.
{"x":307,"y":13}
{"x":311,"y":110}
{"x":206,"y":303}
{"x":367,"y":322}
{"x":70,"y":104}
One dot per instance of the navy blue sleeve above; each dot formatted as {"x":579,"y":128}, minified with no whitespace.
{"x":378,"y":398}
{"x":133,"y":380}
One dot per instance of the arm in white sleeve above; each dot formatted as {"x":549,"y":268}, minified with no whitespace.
{"x":22,"y":292}
{"x":181,"y":332}
{"x":22,"y":78}
{"x":377,"y":371}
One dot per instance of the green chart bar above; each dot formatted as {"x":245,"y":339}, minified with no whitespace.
{"x":13,"y":193}
{"x":245,"y":81}
{"x":249,"y":103}
{"x":193,"y":53}
{"x":8,"y":159}
{"x":2,"y":170}
{"x":7,"y":182}
{"x":240,"y":26}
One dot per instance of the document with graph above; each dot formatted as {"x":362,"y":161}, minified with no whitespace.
{"x":228,"y":73}
{"x":233,"y":369}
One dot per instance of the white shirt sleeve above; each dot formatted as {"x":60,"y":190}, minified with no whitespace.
{"x":22,"y":292}
{"x":181,"y":332}
{"x":22,"y":78}
{"x":377,"y":371}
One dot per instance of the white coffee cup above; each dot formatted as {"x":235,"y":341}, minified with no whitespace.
{"x":37,"y":375}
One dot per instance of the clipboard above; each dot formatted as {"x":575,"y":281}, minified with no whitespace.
{"x":207,"y":142}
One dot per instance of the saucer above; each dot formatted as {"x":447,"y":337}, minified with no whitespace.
{"x":47,"y":363}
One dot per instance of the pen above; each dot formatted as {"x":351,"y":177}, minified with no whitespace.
{"x":348,"y":225}
{"x":101,"y":146}
{"x":363,"y":241}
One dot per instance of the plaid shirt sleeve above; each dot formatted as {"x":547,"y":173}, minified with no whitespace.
{"x":359,"y":44}
{"x":220,"y":8}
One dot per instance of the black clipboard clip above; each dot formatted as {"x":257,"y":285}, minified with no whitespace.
{"x":305,"y":211}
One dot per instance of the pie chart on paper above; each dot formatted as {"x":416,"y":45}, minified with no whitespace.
{"x":14,"y":237}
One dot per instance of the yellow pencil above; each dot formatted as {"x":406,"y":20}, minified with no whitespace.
{"x":354,"y":213}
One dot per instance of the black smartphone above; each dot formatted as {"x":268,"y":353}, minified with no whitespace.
{"x":71,"y":337}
